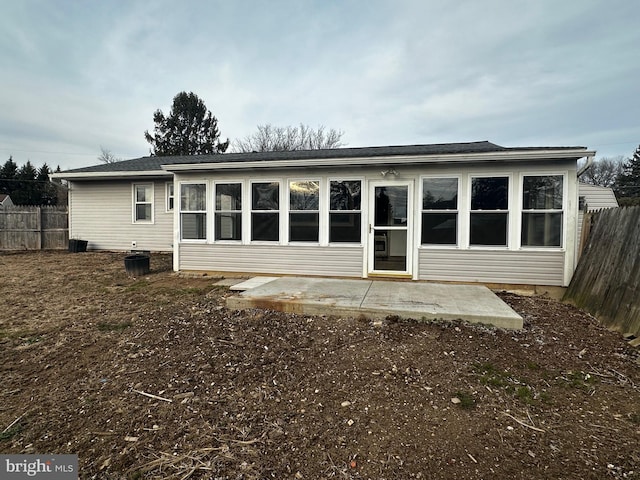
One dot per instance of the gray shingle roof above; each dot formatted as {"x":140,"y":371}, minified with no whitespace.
{"x":145,"y":164}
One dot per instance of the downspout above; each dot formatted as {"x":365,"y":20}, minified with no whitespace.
{"x":586,"y":166}
{"x":576,"y":244}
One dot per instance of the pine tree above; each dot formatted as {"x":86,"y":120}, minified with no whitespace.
{"x":9,"y":170}
{"x":628,"y":184}
{"x":190,"y":129}
{"x":26,"y":192}
{"x":46,"y":190}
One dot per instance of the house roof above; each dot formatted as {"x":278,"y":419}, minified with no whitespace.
{"x":3,"y":196}
{"x":153,"y":165}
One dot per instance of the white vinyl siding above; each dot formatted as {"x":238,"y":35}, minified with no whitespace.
{"x":274,"y":259}
{"x":597,"y":197}
{"x":510,"y":264}
{"x":497,"y":266}
{"x":100,"y":212}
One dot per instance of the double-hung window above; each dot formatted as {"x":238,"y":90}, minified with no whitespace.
{"x":170,"y":196}
{"x":143,"y":203}
{"x":228,"y":211}
{"x":345,"y":211}
{"x":265,"y":211}
{"x":489,"y":217}
{"x":304,"y":210}
{"x":439,"y":211}
{"x":542,"y":203}
{"x":193,"y":211}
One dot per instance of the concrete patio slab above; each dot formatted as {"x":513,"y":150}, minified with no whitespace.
{"x":252,"y":283}
{"x":379,"y":299}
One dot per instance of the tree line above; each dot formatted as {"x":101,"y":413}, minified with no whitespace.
{"x":28,"y":185}
{"x":191,"y":129}
{"x":618,"y":173}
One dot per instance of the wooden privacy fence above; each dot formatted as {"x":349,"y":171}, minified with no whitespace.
{"x":607,"y":280}
{"x":34,"y":228}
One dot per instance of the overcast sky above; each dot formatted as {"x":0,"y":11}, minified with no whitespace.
{"x":77,"y":75}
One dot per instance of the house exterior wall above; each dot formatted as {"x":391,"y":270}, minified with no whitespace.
{"x":462,"y":262}
{"x":328,"y":261}
{"x":5,"y":201}
{"x":101,"y":212}
{"x":597,"y":197}
{"x":512,"y":267}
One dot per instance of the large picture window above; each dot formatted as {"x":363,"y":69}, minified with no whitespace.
{"x":440,"y":211}
{"x":228,"y":211}
{"x":489,"y":218}
{"x":265,"y":211}
{"x":542,"y":213}
{"x":143,"y":203}
{"x":193,"y":211}
{"x":345,"y":211}
{"x":304,"y":210}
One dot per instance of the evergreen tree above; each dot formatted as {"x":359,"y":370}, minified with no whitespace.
{"x":27,"y":185}
{"x":26,"y":192}
{"x":190,"y":129}
{"x":9,"y":170}
{"x":628,"y":184}
{"x":46,"y":189}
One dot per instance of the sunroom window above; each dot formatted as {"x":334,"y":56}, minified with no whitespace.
{"x":345,"y":211}
{"x":440,"y":211}
{"x":265,"y":211}
{"x":304,"y":210}
{"x":193,"y":211}
{"x":489,"y":218}
{"x":228,"y":211}
{"x":542,"y":203}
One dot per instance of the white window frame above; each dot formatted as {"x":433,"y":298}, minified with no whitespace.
{"x":360,"y":212}
{"x":523,"y":211}
{"x":241,"y":211}
{"x":281,"y":201}
{"x":170,"y":196}
{"x":205,"y":211}
{"x":457,"y":211}
{"x":509,"y":211}
{"x":289,"y":211}
{"x":135,"y":203}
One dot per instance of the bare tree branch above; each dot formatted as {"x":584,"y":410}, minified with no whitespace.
{"x":269,"y":138}
{"x":106,"y":156}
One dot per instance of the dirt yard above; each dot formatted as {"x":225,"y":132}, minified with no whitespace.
{"x":154,"y":378}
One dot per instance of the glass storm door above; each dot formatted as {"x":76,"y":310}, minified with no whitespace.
{"x":389,"y":228}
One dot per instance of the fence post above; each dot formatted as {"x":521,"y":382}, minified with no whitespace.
{"x":39,"y":227}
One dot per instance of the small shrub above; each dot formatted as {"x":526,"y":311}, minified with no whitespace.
{"x":467,"y":401}
{"x":113,"y":327}
{"x":12,"y":432}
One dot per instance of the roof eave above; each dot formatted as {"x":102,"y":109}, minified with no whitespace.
{"x":512,"y":155}
{"x":110,"y":175}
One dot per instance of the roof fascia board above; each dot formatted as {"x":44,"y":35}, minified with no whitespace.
{"x":522,"y":155}
{"x":108,"y":175}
